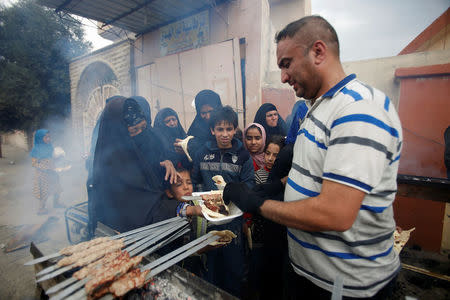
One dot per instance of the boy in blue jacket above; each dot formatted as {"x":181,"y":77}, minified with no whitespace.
{"x":225,"y":156}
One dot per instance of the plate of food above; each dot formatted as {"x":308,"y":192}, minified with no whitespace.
{"x":215,"y":210}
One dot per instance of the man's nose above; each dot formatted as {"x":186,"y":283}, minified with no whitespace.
{"x":284,"y":76}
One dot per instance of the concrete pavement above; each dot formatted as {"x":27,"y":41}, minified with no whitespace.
{"x":18,"y":207}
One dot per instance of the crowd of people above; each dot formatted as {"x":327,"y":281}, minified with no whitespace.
{"x":316,"y":192}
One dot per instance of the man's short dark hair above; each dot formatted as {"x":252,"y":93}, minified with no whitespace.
{"x":226,"y":114}
{"x":311,"y":29}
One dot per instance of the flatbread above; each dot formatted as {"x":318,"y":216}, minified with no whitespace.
{"x":226,"y":236}
{"x":219,"y":181}
{"x":184,"y":145}
{"x":401,"y":238}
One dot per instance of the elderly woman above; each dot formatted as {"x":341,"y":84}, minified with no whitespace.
{"x":128,"y":170}
{"x":267,"y":115}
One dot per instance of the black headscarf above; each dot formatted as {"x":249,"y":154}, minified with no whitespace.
{"x":128,"y":193}
{"x":168,"y":136}
{"x":260,"y":118}
{"x":145,"y":108}
{"x":199,"y":127}
{"x":169,"y":133}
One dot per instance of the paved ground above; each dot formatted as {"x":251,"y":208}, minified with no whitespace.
{"x":18,"y":208}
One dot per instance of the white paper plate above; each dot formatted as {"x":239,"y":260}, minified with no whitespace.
{"x":234,"y":212}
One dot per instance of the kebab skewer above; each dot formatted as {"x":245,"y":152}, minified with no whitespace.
{"x":127,"y":282}
{"x":83,"y":271}
{"x":91,"y":254}
{"x":103,"y":275}
{"x":74,"y":248}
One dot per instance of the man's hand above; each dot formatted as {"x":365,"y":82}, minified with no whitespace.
{"x":171,"y":174}
{"x":270,"y":189}
{"x":243,"y":197}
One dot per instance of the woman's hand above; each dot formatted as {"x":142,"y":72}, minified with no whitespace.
{"x":177,"y":146}
{"x":171,"y":174}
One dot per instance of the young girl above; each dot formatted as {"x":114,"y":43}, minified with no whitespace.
{"x":263,"y":264}
{"x":254,"y":141}
{"x":45,"y":181}
{"x":273,"y":146}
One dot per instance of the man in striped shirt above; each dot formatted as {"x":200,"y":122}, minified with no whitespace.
{"x":340,"y":190}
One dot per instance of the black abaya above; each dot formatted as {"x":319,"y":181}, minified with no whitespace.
{"x":128,"y":193}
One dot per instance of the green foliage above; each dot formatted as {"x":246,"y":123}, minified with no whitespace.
{"x":36,"y":46}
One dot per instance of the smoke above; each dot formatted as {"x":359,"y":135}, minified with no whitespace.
{"x":18,"y":204}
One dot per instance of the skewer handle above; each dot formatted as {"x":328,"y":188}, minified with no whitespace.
{"x":41,"y":259}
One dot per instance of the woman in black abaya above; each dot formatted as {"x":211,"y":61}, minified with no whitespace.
{"x":128,"y":170}
{"x":168,"y":128}
{"x":206,"y":101}
{"x":267,"y":115}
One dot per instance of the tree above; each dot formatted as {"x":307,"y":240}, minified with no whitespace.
{"x":36,"y":46}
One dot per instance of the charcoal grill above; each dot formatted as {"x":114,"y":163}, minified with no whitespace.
{"x":173,"y":283}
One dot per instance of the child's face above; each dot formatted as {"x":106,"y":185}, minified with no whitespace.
{"x":224,"y":132}
{"x":271,"y":154}
{"x":253,"y":140}
{"x":47,"y":138}
{"x":183,"y":187}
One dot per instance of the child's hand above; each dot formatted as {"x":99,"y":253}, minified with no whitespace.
{"x":194,"y":210}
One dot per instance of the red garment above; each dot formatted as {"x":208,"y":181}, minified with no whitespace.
{"x":255,"y":166}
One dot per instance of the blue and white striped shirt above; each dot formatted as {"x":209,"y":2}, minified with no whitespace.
{"x":351,"y":135}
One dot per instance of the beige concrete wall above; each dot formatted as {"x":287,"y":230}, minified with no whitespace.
{"x":380,"y":72}
{"x":282,"y":12}
{"x":249,"y":19}
{"x":235,"y":19}
{"x":17,"y":139}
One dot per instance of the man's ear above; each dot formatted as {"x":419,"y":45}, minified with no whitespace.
{"x":320,"y":50}
{"x":169,"y":194}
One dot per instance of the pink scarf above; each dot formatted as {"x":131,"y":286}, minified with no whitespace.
{"x":258,"y":157}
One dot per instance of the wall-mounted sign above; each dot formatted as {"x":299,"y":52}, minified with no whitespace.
{"x":189,"y":33}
